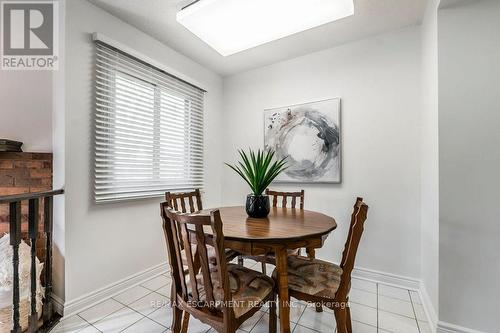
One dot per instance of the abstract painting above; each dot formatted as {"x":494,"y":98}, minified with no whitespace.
{"x":309,"y":135}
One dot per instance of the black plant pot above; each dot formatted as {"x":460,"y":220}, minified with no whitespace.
{"x":257,"y":205}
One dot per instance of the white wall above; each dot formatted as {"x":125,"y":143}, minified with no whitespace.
{"x":469,"y":161}
{"x":58,"y":148}
{"x":378,"y":80}
{"x":429,"y":254}
{"x":26,"y":108}
{"x":109,"y":242}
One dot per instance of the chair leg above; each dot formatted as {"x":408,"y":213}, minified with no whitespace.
{"x":172,"y":294}
{"x":264,"y":268}
{"x":177,"y":320}
{"x":229,"y":327}
{"x":348,"y":320}
{"x":272,"y":316}
{"x":185,"y":323}
{"x":240,"y":260}
{"x":340,"y":317}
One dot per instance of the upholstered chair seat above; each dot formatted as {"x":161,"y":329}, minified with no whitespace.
{"x":313,"y":277}
{"x":248,"y":287}
{"x":230,"y":255}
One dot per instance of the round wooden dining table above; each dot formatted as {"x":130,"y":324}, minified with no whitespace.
{"x":282,"y":230}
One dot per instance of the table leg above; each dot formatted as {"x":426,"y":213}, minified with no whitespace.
{"x":311,"y":252}
{"x":284,"y":298}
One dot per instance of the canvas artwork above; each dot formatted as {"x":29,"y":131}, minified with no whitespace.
{"x":309,"y":134}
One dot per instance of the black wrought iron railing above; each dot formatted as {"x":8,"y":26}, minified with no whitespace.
{"x":33,"y":233}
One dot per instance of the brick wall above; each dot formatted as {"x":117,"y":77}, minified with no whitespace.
{"x":23,"y":173}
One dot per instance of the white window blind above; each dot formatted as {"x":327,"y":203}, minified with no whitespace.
{"x":148,"y":129}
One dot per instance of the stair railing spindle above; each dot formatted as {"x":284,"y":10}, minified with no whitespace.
{"x":33,"y":212}
{"x":15,"y":240}
{"x":48,"y":215}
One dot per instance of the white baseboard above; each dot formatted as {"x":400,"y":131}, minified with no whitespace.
{"x":387,"y":278}
{"x":81,"y":303}
{"x":58,"y":304}
{"x":443,"y":327}
{"x":430,"y":311}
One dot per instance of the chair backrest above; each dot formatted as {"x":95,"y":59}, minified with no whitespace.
{"x":177,"y":201}
{"x":182,"y":231}
{"x":284,"y":198}
{"x":356,"y":228}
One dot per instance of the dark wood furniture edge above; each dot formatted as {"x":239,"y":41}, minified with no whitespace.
{"x":27,"y":196}
{"x":9,"y":155}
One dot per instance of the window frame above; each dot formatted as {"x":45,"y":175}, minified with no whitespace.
{"x":164,"y":102}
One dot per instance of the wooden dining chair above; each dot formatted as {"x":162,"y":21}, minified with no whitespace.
{"x":321,"y":282}
{"x":281,"y":199}
{"x":294,"y":196}
{"x":177,"y":200}
{"x":191,"y":202}
{"x":223,"y":296}
{"x":284,"y":198}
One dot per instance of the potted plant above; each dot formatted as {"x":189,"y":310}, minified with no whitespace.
{"x":258,"y":170}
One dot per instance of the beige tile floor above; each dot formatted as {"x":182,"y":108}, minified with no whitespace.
{"x":375,"y":308}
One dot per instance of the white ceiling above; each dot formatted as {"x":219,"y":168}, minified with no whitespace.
{"x":157,"y":18}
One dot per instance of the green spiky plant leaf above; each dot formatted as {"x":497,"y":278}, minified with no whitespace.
{"x":258,"y":168}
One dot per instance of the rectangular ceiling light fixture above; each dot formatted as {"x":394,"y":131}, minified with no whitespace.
{"x":231,"y":26}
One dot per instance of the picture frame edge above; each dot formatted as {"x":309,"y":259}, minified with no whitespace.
{"x":341,"y":140}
